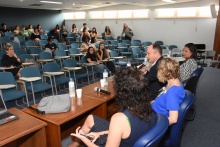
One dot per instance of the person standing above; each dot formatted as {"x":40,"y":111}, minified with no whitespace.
{"x":127,"y":31}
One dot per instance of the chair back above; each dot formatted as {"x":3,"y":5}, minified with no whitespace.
{"x":122,"y":45}
{"x":21,"y":39}
{"x":127,"y":42}
{"x":55,"y":41}
{"x":35,"y":50}
{"x":165,"y":52}
{"x":10,"y":34}
{"x":29,"y":43}
{"x":163,"y":47}
{"x":69,"y":63}
{"x":152,"y":137}
{"x":146,"y":43}
{"x":191,"y":83}
{"x":51,"y":67}
{"x":174,"y":133}
{"x":74,"y":45}
{"x":159,"y":42}
{"x":42,"y":42}
{"x":171,"y":47}
{"x":43,"y":37}
{"x":5,"y":39}
{"x":20,"y":52}
{"x":59,"y":53}
{"x":135,"y":43}
{"x":45,"y":55}
{"x":83,"y":59}
{"x":138,"y":41}
{"x":2,"y":54}
{"x":25,"y":56}
{"x":113,"y":54}
{"x":136,"y":52}
{"x":114,"y":43}
{"x":30,"y":72}
{"x":16,"y":46}
{"x":74,"y":51}
{"x":6,"y":78}
{"x":62,"y":47}
{"x":109,"y":38}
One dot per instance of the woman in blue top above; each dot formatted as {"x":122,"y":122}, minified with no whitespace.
{"x":168,"y":101}
{"x":132,"y":120}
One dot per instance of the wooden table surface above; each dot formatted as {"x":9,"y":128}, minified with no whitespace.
{"x":63,"y":124}
{"x":16,"y":132}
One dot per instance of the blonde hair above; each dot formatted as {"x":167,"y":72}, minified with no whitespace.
{"x":7,"y":46}
{"x":168,"y":69}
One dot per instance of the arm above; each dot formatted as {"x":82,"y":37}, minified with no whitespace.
{"x":100,"y":56}
{"x":90,"y":61}
{"x":173,"y":116}
{"x":118,"y":126}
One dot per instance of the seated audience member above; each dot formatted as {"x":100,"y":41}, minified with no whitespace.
{"x":30,"y":29}
{"x":103,"y":54}
{"x":85,"y":44}
{"x":95,"y":42}
{"x":169,"y":99}
{"x":4,"y":28}
{"x":24,"y":32}
{"x":40,"y":30}
{"x":108,"y":31}
{"x":190,"y":64}
{"x":134,"y":117}
{"x":64,"y":32}
{"x":154,"y":56}
{"x":10,"y":59}
{"x":35,"y":36}
{"x":16,"y":30}
{"x":74,"y":29}
{"x":94,"y":32}
{"x":57,"y":32}
{"x":85,"y":32}
{"x":91,"y":57}
{"x":84,"y":26}
{"x":52,"y":46}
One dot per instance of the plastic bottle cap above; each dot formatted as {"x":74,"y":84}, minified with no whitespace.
{"x":71,"y":79}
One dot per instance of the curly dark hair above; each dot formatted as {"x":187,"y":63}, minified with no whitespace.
{"x":132,"y":93}
{"x":193,"y":49}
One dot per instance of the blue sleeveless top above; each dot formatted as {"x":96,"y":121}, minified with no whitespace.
{"x":138,"y":128}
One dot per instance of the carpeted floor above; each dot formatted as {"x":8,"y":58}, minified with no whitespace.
{"x":204,"y":130}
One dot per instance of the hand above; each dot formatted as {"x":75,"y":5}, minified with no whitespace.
{"x":144,"y":69}
{"x":78,"y":135}
{"x":94,"y":135}
{"x":15,"y":55}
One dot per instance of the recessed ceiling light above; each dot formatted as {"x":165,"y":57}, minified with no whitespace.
{"x":74,"y":4}
{"x":51,"y":2}
{"x":169,"y":1}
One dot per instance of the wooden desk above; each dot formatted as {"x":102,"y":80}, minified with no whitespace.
{"x":62,"y":124}
{"x":108,"y":99}
{"x":26,"y":131}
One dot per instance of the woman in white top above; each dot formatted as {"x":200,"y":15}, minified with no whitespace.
{"x":189,"y":65}
{"x":74,"y":29}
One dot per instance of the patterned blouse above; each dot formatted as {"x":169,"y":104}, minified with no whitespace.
{"x":187,"y":68}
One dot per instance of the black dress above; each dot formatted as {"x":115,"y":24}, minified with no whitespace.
{"x":8,"y":61}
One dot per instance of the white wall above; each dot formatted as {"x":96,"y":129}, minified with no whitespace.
{"x":170,"y":31}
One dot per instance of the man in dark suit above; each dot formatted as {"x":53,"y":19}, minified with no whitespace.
{"x":154,"y":56}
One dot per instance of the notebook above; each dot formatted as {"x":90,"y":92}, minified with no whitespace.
{"x":5,"y":116}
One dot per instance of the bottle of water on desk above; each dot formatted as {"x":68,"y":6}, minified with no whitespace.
{"x":105,"y":76}
{"x":129,"y":63}
{"x":71,"y":88}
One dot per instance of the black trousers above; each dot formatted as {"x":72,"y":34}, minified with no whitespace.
{"x":127,"y":38}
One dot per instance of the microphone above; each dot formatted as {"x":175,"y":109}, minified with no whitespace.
{"x":101,"y":90}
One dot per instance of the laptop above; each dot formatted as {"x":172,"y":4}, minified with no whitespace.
{"x":5,"y":116}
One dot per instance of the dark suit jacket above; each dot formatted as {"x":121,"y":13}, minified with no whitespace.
{"x":154,"y":83}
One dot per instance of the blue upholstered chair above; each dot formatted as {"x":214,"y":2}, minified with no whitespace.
{"x":146,"y":44}
{"x":159,"y":42}
{"x":173,"y":136}
{"x":15,"y":45}
{"x":70,"y":64}
{"x":137,"y":55}
{"x":24,"y":57}
{"x":152,"y":137}
{"x":74,"y":45}
{"x":114,"y":55}
{"x":20,"y":52}
{"x":43,"y":37}
{"x":171,"y":47}
{"x":37,"y":85}
{"x":11,"y":94}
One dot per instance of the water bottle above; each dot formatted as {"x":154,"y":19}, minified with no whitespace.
{"x":105,"y":76}
{"x":129,"y":63}
{"x":71,"y":88}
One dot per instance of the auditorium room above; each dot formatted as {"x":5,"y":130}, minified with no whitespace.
{"x":115,"y":73}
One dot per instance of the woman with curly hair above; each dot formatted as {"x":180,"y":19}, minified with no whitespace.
{"x":170,"y":97}
{"x":134,"y":118}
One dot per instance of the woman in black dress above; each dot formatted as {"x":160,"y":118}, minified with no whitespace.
{"x":10,"y":59}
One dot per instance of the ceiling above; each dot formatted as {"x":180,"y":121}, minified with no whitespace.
{"x":84,"y":5}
